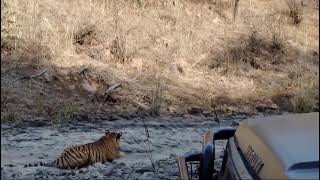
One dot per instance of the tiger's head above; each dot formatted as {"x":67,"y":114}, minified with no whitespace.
{"x":112,"y":137}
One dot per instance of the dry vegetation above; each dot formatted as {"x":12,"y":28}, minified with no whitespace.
{"x":168,"y":55}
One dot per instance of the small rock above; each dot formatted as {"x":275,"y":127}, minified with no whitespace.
{"x":148,"y":175}
{"x":82,"y":117}
{"x":107,"y":171}
{"x":48,"y":77}
{"x":88,"y":87}
{"x":195,"y":110}
{"x":98,"y":165}
{"x":83,"y":170}
{"x":40,"y":172}
{"x":132,"y":115}
{"x":176,"y":68}
{"x":117,"y":172}
{"x":266,"y":105}
{"x":144,"y":169}
{"x":72,"y":87}
{"x":122,"y":164}
{"x":206,"y":113}
{"x":63,"y":72}
{"x":124,"y":115}
{"x":137,"y":63}
{"x":54,"y":134}
{"x":114,"y":117}
{"x":172,"y":109}
{"x":234,"y":123}
{"x":38,"y":122}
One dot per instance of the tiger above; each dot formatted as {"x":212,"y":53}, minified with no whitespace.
{"x":78,"y":156}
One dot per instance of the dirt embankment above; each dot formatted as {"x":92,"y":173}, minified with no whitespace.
{"x":168,"y":56}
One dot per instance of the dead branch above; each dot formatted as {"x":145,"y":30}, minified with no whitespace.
{"x":105,"y":95}
{"x":149,"y":143}
{"x":109,"y":91}
{"x":235,"y":9}
{"x":30,"y":76}
{"x":216,"y":116}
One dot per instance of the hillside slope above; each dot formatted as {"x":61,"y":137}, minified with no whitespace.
{"x":167,"y":56}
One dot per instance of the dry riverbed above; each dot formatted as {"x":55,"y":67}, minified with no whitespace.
{"x":169,"y":136}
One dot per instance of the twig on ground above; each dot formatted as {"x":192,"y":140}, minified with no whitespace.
{"x":130,"y":173}
{"x":150,"y":150}
{"x":216,"y":119}
{"x":30,"y":76}
{"x":109,"y":91}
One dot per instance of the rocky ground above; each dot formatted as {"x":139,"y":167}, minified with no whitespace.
{"x":35,"y":142}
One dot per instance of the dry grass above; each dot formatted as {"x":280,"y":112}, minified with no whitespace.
{"x":157,"y":98}
{"x":307,"y":96}
{"x":65,"y":113}
{"x":203,"y":53}
{"x":295,"y":11}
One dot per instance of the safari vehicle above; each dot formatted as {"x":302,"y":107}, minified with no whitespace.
{"x":276,"y":147}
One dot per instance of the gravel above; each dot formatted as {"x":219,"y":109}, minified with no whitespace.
{"x":169,"y":136}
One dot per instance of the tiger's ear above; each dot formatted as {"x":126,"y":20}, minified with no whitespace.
{"x":119,"y":135}
{"x":107,"y":132}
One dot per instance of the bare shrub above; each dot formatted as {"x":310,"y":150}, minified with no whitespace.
{"x":118,"y":47}
{"x":64,"y":113}
{"x":295,"y":11}
{"x":221,"y":7}
{"x":7,"y":25}
{"x":252,"y":52}
{"x":302,"y":103}
{"x":157,"y":98}
{"x":87,"y":40}
{"x":307,"y":98}
{"x":9,"y":116}
{"x":118,"y":50}
{"x":84,"y":36}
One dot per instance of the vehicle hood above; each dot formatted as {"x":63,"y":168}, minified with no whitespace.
{"x":288,"y":145}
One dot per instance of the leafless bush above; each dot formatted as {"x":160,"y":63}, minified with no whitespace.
{"x":307,"y":98}
{"x":221,"y":7}
{"x":118,"y":47}
{"x":7,"y":25}
{"x":9,"y":116}
{"x":295,"y":11}
{"x":118,"y":50}
{"x":65,"y":113}
{"x":302,"y":103}
{"x":84,"y":36}
{"x":157,"y":98}
{"x":254,"y":52}
{"x":275,"y":30}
